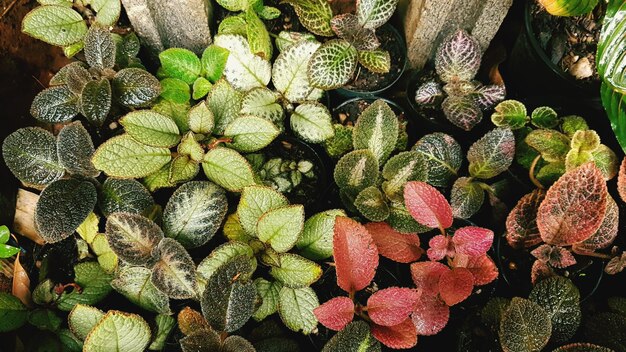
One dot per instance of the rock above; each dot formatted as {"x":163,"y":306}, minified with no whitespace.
{"x":427,"y":22}
{"x":163,"y":24}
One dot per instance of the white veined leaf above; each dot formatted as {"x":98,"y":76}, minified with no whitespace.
{"x":55,"y":105}
{"x":458,"y":57}
{"x":289,"y":73}
{"x":124,"y":195}
{"x":118,"y":331}
{"x":375,"y":13}
{"x":175,"y":272}
{"x":243,"y":70}
{"x":135,"y":87}
{"x":133,"y":237}
{"x":312,"y":122}
{"x":262,"y":102}
{"x":332,"y":64}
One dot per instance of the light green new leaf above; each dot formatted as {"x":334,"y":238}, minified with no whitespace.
{"x":133,"y":237}
{"x":228,"y":169}
{"x":356,"y":171}
{"x":233,"y":25}
{"x":133,"y":282}
{"x":124,"y":195}
{"x":511,"y":114}
{"x":281,"y":227}
{"x":400,"y":169}
{"x":256,"y":201}
{"x":257,"y":35}
{"x":94,"y":282}
{"x":158,"y":179}
{"x":377,"y":130}
{"x":201,"y":86}
{"x":180,"y":63}
{"x":175,"y":273}
{"x":315,"y":15}
{"x":107,"y":11}
{"x":123,"y":156}
{"x":585,"y":140}
{"x":118,"y":331}
{"x":269,"y":292}
{"x":213,"y":62}
{"x":243,"y":69}
{"x":466,"y":197}
{"x":263,"y":103}
{"x":54,"y":24}
{"x":295,"y":307}
{"x":175,"y":90}
{"x":295,"y":271}
{"x":183,"y":169}
{"x":375,"y":13}
{"x":151,"y":128}
{"x":312,"y":122}
{"x":316,"y":240}
{"x":225,"y":103}
{"x":289,"y":73}
{"x":233,"y":231}
{"x":189,"y":146}
{"x":552,"y":145}
{"x":13,"y":313}
{"x":250,"y":133}
{"x":107,"y":259}
{"x":332,"y":64}
{"x":55,"y":105}
{"x":201,"y":119}
{"x":372,"y":204}
{"x":164,"y":326}
{"x":135,"y":87}
{"x":492,"y":154}
{"x":378,"y":61}
{"x":606,"y":160}
{"x":82,"y":319}
{"x":233,"y":5}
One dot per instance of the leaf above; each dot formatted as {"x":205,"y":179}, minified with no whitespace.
{"x":82,"y":319}
{"x":606,"y":160}
{"x":560,"y":299}
{"x":455,"y":285}
{"x":13,"y":313}
{"x":289,"y":73}
{"x":200,"y":88}
{"x":488,"y":96}
{"x":472,"y":241}
{"x":426,"y":276}
{"x":62,"y":207}
{"x":75,"y":149}
{"x":225,"y":103}
{"x":466,"y":198}
{"x":99,"y":48}
{"x":54,"y":24}
{"x":377,"y":130}
{"x":356,"y":171}
{"x":151,"y":128}
{"x":545,"y":117}
{"x":235,"y":343}
{"x":243,"y":69}
{"x":119,"y":330}
{"x":399,"y":169}
{"x":164,"y":325}
{"x":174,"y":273}
{"x":372,"y":204}
{"x":55,"y":105}
{"x":399,"y":247}
{"x":204,"y":340}
{"x":442,"y":155}
{"x":31,"y":155}
{"x":525,"y":326}
{"x":256,"y":201}
{"x":552,"y":145}
{"x":183,"y":169}
{"x":269,"y":293}
{"x":482,"y":267}
{"x":336,"y":313}
{"x":124,"y":195}
{"x":281,"y":227}
{"x":250,"y":133}
{"x":296,"y":309}
{"x":492,"y":154}
{"x":511,"y":114}
{"x":201,"y":119}
{"x":458,"y":57}
{"x":135,"y":87}
{"x":553,"y":256}
{"x":315,"y":15}
{"x":295,"y":271}
{"x":521,"y":223}
{"x":621,"y":180}
{"x":228,"y":169}
{"x":403,"y":335}
{"x":257,"y":35}
{"x":574,"y":207}
{"x":391,"y":306}
{"x":377,"y":61}
{"x":134,"y":283}
{"x":229,"y":299}
{"x":286,"y":39}
{"x":430,"y":315}
{"x":540,"y":271}
{"x":95,"y":284}
{"x":581,"y":347}
{"x":107,"y":259}
{"x":568,"y":8}
{"x":316,"y":240}
{"x":355,"y":336}
{"x":355,"y":253}
{"x":108,"y":11}
{"x":190,"y":321}
{"x":312,"y":122}
{"x":180,"y":63}
{"x":222,"y":255}
{"x":175,"y":90}
{"x":332,"y":64}
{"x":263,"y":103}
{"x":607,"y":232}
{"x":124,"y":157}
{"x":133,"y":237}
{"x":348,"y":28}
{"x":427,"y":205}
{"x":95,"y":101}
{"x":429,"y":93}
{"x":213,"y":62}
{"x":375,"y":13}
{"x":462,"y":111}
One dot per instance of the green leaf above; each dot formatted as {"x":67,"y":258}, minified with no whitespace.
{"x":213,"y":62}
{"x":201,"y":86}
{"x":258,"y":36}
{"x":75,"y":149}
{"x":312,"y":122}
{"x":286,"y":39}
{"x":466,"y":198}
{"x":134,"y":283}
{"x":375,"y":13}
{"x":356,"y":171}
{"x":225,"y":103}
{"x":31,"y":155}
{"x":233,"y":25}
{"x":250,"y":133}
{"x":119,"y":331}
{"x":315,"y":15}
{"x":256,"y":201}
{"x":107,"y":259}
{"x":88,"y":229}
{"x":56,"y":25}
{"x":95,"y":101}
{"x":560,"y":298}
{"x":443,"y":157}
{"x":194,"y":213}
{"x":183,"y":169}
{"x":355,"y":336}
{"x":189,"y":146}
{"x":243,"y":69}
{"x":164,"y":325}
{"x":545,"y":117}
{"x":159,"y":179}
{"x":269,"y":13}
{"x":123,"y":156}
{"x":151,"y":128}
{"x":73,"y":49}
{"x":400,"y":169}
{"x":573,"y":123}
{"x":174,"y":273}
{"x":295,"y":271}
{"x":133,"y":237}
{"x":82,"y":320}
{"x":44,"y":319}
{"x":552,"y":145}
{"x":585,"y":140}
{"x":372,"y":204}
{"x":180,"y":63}
{"x":316,"y":240}
{"x":492,"y":154}
{"x":332,"y":64}
{"x":95,"y":284}
{"x":135,"y":87}
{"x":551,"y":172}
{"x":295,"y":307}
{"x":263,"y":103}
{"x":201,"y":119}
{"x":178,"y":112}
{"x":62,"y":207}
{"x":511,"y":114}
{"x":289,"y":73}
{"x":281,"y":227}
{"x":377,"y":61}
{"x":99,"y":48}
{"x":525,"y":326}
{"x":233,"y":5}
{"x":228,"y":169}
{"x":268,"y":291}
{"x":55,"y":105}
{"x":175,"y":90}
{"x":606,"y":160}
{"x":70,"y":342}
{"x":377,"y":130}
{"x":13,"y":313}
{"x":222,"y":255}
{"x":107,"y":11}
{"x":124,"y":195}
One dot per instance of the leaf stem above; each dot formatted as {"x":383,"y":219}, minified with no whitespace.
{"x":531,"y":173}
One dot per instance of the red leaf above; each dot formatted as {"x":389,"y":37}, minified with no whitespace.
{"x":483,"y":268}
{"x":397,"y":246}
{"x":427,"y":205}
{"x":430,"y":315}
{"x":456,"y":285}
{"x":616,"y":264}
{"x":356,"y":255}
{"x":607,"y":232}
{"x":540,"y":271}
{"x":336,"y":313}
{"x":521,"y":224}
{"x":621,"y":180}
{"x":472,"y":240}
{"x":439,"y":247}
{"x":554,"y":256}
{"x":391,"y":306}
{"x":574,"y":206}
{"x":403,"y":335}
{"x":426,"y":276}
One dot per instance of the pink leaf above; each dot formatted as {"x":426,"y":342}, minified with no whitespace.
{"x":391,"y":306}
{"x":521,"y":224}
{"x":426,"y":276}
{"x":540,"y":271}
{"x":356,"y":255}
{"x":456,"y":285}
{"x":427,"y":205}
{"x":472,"y":240}
{"x":397,"y":246}
{"x":403,"y":335}
{"x":430,"y":315}
{"x":607,"y":232}
{"x":574,"y":206}
{"x":439,"y":247}
{"x":336,"y":313}
{"x":621,"y":180}
{"x":554,"y":256}
{"x":616,"y":264}
{"x":483,"y":268}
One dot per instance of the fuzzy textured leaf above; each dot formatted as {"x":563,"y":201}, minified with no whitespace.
{"x":356,"y":171}
{"x":228,"y":169}
{"x":400,"y":169}
{"x":250,"y":133}
{"x":263,"y":103}
{"x":335,"y":313}
{"x":118,"y":330}
{"x":256,"y":201}
{"x":525,"y":327}
{"x":225,"y":103}
{"x":295,"y":271}
{"x":312,"y":122}
{"x":316,"y":240}
{"x":55,"y":105}
{"x":55,"y":24}
{"x":180,"y":63}
{"x":560,"y":298}
{"x":99,"y":48}
{"x":124,"y":157}
{"x":31,"y":155}
{"x":355,"y":253}
{"x":135,"y":87}
{"x":356,"y":336}
{"x":427,"y":205}
{"x":607,"y":232}
{"x":403,"y":335}
{"x":521,"y":223}
{"x":511,"y":114}
{"x":458,"y":57}
{"x":296,"y":308}
{"x":281,"y":227}
{"x":95,"y":101}
{"x":377,"y":130}
{"x":391,"y":306}
{"x":375,"y":13}
{"x":492,"y":154}
{"x":332,"y":64}
{"x":75,"y":150}
{"x":462,"y":111}
{"x":289,"y":73}
{"x":430,"y":315}
{"x":151,"y":128}
{"x":174,"y":273}
{"x":315,"y":15}
{"x":82,"y":319}
{"x":134,"y":283}
{"x":243,"y":69}
{"x":124,"y":195}
{"x":133,"y":237}
{"x":443,"y":157}
{"x":397,"y":246}
{"x":466,"y":198}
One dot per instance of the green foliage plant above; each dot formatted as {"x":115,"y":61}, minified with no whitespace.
{"x":6,"y":250}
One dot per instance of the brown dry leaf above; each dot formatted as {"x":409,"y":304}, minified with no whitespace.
{"x":24,"y":221}
{"x":21,"y":283}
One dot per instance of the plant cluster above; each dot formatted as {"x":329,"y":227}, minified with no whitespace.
{"x":462,"y":98}
{"x":285,"y":175}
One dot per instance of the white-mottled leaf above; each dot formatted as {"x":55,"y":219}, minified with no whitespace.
{"x":133,"y":237}
{"x":443,"y":157}
{"x":492,"y":154}
{"x":400,"y":169}
{"x":99,"y":48}
{"x":243,"y":70}
{"x":377,"y":130}
{"x":289,"y":73}
{"x":134,"y":283}
{"x":312,"y":122}
{"x":466,"y":198}
{"x":458,"y":57}
{"x":262,"y":102}
{"x":175,"y":272}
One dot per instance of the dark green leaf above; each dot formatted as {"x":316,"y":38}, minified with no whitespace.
{"x":55,"y":105}
{"x":124,"y":195}
{"x":75,"y":150}
{"x":561,"y":299}
{"x":96,"y":101}
{"x":135,"y":87}
{"x":99,"y":48}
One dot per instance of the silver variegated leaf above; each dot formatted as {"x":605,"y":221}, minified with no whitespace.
{"x":443,"y":157}
{"x":429,"y":93}
{"x":458,"y":57}
{"x":99,"y":48}
{"x":289,"y":73}
{"x":174,"y":273}
{"x":263,"y":103}
{"x":377,"y":130}
{"x":243,"y":70}
{"x":375,"y":13}
{"x":400,"y":169}
{"x":372,"y":204}
{"x":488,"y":96}
{"x":332,"y":64}
{"x":466,"y":197}
{"x":356,"y":171}
{"x":287,"y":38}
{"x":312,"y":122}
{"x":133,"y":237}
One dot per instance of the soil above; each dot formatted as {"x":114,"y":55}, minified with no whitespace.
{"x":347,"y":114}
{"x":570,"y":42}
{"x":367,"y":81}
